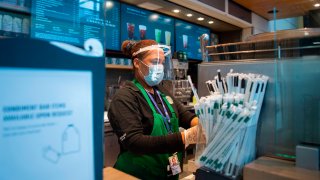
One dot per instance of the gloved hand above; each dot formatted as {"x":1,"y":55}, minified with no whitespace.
{"x":191,"y":135}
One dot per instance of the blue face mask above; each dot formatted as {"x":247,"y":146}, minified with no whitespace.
{"x":155,"y":76}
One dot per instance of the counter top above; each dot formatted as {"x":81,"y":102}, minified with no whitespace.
{"x":265,"y":168}
{"x":110,"y":173}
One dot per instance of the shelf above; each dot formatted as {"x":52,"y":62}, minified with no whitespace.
{"x":238,"y":52}
{"x":15,"y":8}
{"x":265,"y":50}
{"x":112,"y":66}
{"x":10,"y":34}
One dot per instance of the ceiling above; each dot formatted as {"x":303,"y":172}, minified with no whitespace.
{"x":286,"y":8}
{"x":167,"y":8}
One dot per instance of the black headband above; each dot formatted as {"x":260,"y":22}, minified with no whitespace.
{"x":130,"y":45}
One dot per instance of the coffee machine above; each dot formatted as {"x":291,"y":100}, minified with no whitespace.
{"x":178,"y":84}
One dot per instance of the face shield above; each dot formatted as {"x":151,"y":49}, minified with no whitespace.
{"x":155,"y":64}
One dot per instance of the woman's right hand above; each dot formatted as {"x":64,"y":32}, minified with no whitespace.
{"x":190,"y":135}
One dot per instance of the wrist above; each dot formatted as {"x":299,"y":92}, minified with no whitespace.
{"x":183,"y":137}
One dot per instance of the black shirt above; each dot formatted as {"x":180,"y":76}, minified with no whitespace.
{"x":132,"y":120}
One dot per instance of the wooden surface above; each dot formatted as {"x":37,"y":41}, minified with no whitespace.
{"x":110,"y":173}
{"x":286,"y":8}
{"x":266,"y":168}
{"x":112,"y":66}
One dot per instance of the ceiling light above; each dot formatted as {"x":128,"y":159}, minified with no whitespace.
{"x":189,"y":15}
{"x":176,"y":10}
{"x":316,"y":5}
{"x":200,"y":18}
{"x":210,"y":22}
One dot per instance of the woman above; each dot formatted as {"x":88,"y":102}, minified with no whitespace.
{"x":146,"y":118}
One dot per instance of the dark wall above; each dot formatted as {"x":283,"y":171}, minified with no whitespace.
{"x":193,"y":71}
{"x":219,"y":4}
{"x":230,"y":36}
{"x":312,"y":19}
{"x":239,"y":11}
{"x":112,"y":77}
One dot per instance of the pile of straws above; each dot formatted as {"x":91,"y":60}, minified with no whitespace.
{"x":229,"y":118}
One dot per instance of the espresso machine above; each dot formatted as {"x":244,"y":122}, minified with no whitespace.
{"x":178,"y":84}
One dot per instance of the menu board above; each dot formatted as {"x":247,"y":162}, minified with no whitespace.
{"x":112,"y":25}
{"x":139,"y":24}
{"x":71,"y":21}
{"x":188,"y":38}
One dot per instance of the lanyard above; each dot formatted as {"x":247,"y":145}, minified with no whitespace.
{"x":166,"y":118}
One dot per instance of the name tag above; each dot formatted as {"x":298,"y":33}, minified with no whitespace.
{"x":174,"y":164}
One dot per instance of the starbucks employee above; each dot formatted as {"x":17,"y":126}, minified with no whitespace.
{"x":146,"y":118}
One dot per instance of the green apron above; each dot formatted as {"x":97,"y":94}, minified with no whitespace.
{"x":151,"y":166}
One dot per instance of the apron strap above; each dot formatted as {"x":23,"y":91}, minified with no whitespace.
{"x":145,"y":95}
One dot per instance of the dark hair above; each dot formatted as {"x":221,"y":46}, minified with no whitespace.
{"x":129,"y":47}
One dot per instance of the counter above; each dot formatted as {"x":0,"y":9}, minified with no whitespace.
{"x":265,"y":168}
{"x":110,"y":173}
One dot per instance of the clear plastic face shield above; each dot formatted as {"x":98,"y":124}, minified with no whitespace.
{"x":153,"y":65}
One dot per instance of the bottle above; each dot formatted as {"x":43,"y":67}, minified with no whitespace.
{"x":70,"y":140}
{"x":194,"y":100}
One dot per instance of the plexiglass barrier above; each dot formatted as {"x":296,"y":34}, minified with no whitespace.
{"x":297,"y":117}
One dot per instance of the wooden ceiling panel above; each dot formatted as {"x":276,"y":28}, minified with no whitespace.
{"x":286,"y":8}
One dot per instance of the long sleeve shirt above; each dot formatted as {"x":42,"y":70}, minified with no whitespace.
{"x":132,"y":120}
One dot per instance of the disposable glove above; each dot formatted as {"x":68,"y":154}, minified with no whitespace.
{"x":191,"y":135}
